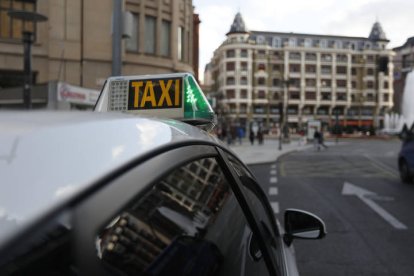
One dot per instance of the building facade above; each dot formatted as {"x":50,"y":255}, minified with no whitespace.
{"x":404,"y":63}
{"x":75,"y":44}
{"x":271,"y":77}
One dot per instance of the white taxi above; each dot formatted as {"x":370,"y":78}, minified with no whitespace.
{"x":135,"y":189}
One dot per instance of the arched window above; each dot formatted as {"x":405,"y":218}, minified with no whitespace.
{"x":276,"y":42}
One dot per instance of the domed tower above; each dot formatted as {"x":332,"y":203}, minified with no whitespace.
{"x":378,"y":37}
{"x":238,"y":26}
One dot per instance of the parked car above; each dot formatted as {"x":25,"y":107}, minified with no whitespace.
{"x":108,"y":193}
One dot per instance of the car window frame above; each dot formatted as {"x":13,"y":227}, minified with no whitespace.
{"x":249,"y":182}
{"x":257,"y":227}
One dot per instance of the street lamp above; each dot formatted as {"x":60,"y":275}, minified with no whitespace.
{"x":27,"y":44}
{"x":283,"y":111}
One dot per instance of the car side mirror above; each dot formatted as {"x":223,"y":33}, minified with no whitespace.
{"x":300,"y":224}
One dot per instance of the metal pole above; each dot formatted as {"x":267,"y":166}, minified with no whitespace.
{"x":27,"y":89}
{"x":116,"y":38}
{"x":281,"y":108}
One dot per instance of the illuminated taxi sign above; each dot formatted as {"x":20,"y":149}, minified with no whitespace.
{"x":175,"y":96}
{"x":155,"y":93}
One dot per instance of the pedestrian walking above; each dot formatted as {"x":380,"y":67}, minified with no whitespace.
{"x":316,"y":136}
{"x":260,"y":135}
{"x":321,"y":141}
{"x":251,"y":137}
{"x":240,"y":134}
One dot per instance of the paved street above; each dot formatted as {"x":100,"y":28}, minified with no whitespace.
{"x":354,"y":187}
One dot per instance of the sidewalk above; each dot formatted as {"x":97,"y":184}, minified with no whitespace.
{"x":267,"y":152}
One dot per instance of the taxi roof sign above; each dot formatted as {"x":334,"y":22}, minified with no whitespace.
{"x":176,"y":96}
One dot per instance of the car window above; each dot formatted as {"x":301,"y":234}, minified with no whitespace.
{"x":187,"y":223}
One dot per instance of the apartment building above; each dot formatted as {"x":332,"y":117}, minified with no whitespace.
{"x":74,"y":45}
{"x":265,"y":77}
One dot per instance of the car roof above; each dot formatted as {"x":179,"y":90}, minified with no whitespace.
{"x":48,"y":157}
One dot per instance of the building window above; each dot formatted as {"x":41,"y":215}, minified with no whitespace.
{"x":353,"y":71}
{"x":310,"y":82}
{"x":243,"y":80}
{"x":180,"y":41}
{"x":230,"y":81}
{"x":150,"y":22}
{"x":276,"y":82}
{"x":386,"y":84}
{"x":230,"y":53}
{"x":243,"y":108}
{"x":261,"y":94}
{"x":341,"y":69}
{"x":310,"y":69}
{"x":353,"y":84}
{"x":276,"y":42}
{"x":165,"y":38}
{"x":326,"y":83}
{"x":243,"y":66}
{"x":294,"y":96}
{"x":341,"y":83}
{"x":370,"y":72}
{"x":261,"y":81}
{"x":310,"y":56}
{"x":326,"y":69}
{"x":294,"y":56}
{"x":326,"y":57}
{"x":132,"y":43}
{"x":292,"y":42}
{"x":308,"y":43}
{"x":260,"y":39}
{"x":13,"y":28}
{"x":261,"y":66}
{"x":276,"y":68}
{"x":323,"y":43}
{"x":370,"y":84}
{"x":310,"y":95}
{"x":326,"y":96}
{"x":243,"y":53}
{"x":294,"y":68}
{"x":386,"y":97}
{"x":230,"y":66}
{"x":243,"y":94}
{"x":230,"y":94}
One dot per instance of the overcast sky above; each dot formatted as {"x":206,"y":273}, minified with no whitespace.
{"x":331,"y":17}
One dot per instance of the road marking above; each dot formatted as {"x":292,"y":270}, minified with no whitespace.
{"x":273,"y":166}
{"x":273,"y":179}
{"x":366,"y":197}
{"x":383,"y":167}
{"x":273,"y":191}
{"x":275,"y":207}
{"x":273,"y":172}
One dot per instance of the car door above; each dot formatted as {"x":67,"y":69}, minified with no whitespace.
{"x":177,"y":213}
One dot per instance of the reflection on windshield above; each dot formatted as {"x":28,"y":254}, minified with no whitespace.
{"x":166,"y":230}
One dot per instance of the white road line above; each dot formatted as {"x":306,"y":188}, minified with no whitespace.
{"x":273,"y":172}
{"x":275,"y":207}
{"x":273,"y":191}
{"x":273,"y":166}
{"x":273,"y":179}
